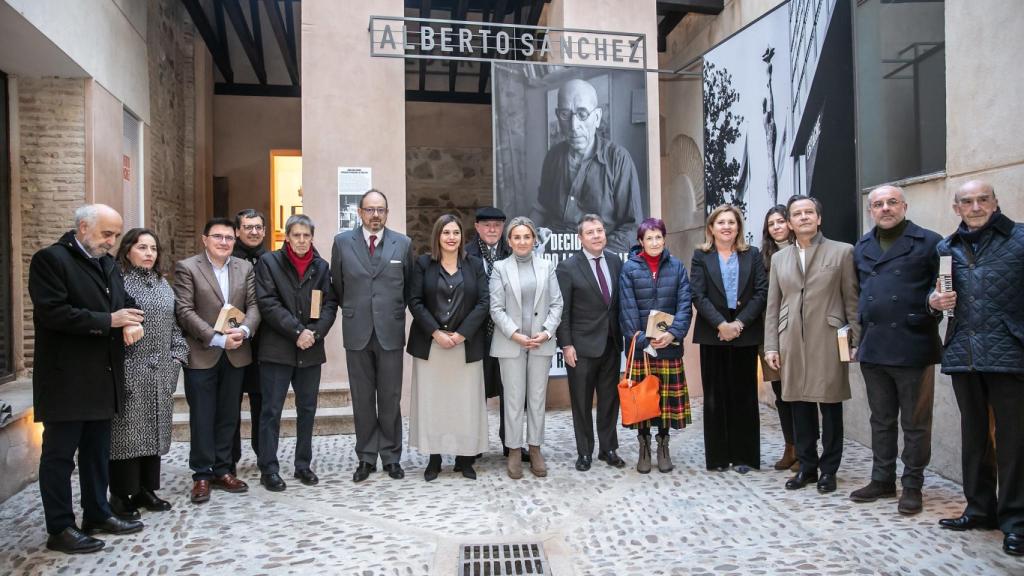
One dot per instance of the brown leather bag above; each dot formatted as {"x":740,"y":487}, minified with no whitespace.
{"x":641,"y":400}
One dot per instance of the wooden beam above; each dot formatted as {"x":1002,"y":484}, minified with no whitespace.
{"x":274,"y":90}
{"x":281,"y":34}
{"x":698,"y":6}
{"x":257,"y":27}
{"x":202,"y":23}
{"x":536,"y":7}
{"x":497,"y":16}
{"x":234,"y":12}
{"x":666,"y":26}
{"x":289,"y":26}
{"x":458,"y":13}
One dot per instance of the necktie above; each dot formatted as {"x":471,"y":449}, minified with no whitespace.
{"x":373,"y":244}
{"x":601,"y":280}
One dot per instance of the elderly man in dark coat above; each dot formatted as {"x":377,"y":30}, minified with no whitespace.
{"x":897,"y":266}
{"x":984,"y":354}
{"x":80,"y":310}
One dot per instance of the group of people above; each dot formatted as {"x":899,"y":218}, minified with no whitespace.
{"x":489,"y":313}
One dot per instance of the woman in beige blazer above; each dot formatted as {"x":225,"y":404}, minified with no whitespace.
{"x":526,"y":306}
{"x":812,"y":292}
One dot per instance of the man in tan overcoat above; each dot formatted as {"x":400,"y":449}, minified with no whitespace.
{"x":812,"y":293}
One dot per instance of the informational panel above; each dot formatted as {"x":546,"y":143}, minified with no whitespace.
{"x":352,"y":184}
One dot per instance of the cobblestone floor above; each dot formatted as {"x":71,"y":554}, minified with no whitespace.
{"x":602,"y":522}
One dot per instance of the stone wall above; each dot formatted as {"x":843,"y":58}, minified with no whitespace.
{"x":172,"y":129}
{"x":51,"y":158}
{"x":442,"y":180}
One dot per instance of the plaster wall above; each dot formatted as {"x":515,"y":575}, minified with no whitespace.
{"x":245,"y":130}
{"x":107,"y":38}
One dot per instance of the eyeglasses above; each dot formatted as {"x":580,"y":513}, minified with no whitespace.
{"x":221,"y":238}
{"x":375,"y":211}
{"x":891,"y":203}
{"x":253,"y":227}
{"x":581,"y":114}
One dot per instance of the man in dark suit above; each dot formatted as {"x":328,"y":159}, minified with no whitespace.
{"x":371,"y":268}
{"x":82,"y":318}
{"x":897,"y":265}
{"x":250,"y":231}
{"x":205,"y":284}
{"x":591,"y":341}
{"x":489,"y":246}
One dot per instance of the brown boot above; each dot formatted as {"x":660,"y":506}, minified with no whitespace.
{"x":643,"y":463}
{"x":537,"y":462}
{"x":788,"y":458}
{"x":664,"y":458}
{"x":515,"y":463}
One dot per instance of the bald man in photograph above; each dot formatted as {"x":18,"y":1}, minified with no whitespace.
{"x":586,"y":173}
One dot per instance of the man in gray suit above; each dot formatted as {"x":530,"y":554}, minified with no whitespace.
{"x":591,"y":341}
{"x":371,"y":268}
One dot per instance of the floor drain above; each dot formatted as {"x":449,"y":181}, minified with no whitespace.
{"x":502,"y":559}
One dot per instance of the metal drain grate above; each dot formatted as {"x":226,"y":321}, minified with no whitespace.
{"x":502,"y":559}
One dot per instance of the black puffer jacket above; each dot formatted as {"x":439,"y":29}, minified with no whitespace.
{"x":986,"y":333}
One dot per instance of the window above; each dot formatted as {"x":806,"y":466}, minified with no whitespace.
{"x":901,"y":89}
{"x":131,"y":172}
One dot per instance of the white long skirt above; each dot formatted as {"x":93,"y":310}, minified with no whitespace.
{"x":448,"y":407}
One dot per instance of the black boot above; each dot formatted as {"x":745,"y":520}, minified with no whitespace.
{"x":150,"y":501}
{"x":433,"y":468}
{"x":123,"y":508}
{"x":464,"y":464}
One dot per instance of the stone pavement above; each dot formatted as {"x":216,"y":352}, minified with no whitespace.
{"x":602,"y":522}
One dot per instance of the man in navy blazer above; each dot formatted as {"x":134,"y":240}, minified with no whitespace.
{"x":371,"y":271}
{"x":591,"y":341}
{"x":897,"y":265}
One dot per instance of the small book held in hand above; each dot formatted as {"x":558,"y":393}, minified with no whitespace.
{"x":843,"y":339}
{"x":229,"y":317}
{"x":658,"y":324}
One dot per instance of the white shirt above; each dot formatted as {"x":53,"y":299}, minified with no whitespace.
{"x":803,"y":257}
{"x":604,"y":270}
{"x":221,"y":274}
{"x":367,"y":234}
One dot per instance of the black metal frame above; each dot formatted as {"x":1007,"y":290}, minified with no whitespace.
{"x":7,"y":286}
{"x":672,"y":12}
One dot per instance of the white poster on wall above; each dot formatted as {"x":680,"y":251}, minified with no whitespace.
{"x":353,"y":182}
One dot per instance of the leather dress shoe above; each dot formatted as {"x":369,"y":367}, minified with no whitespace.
{"x":273,"y":482}
{"x":394,"y":470}
{"x":112,"y":525}
{"x":200,"y":491}
{"x":150,"y":501}
{"x":827,"y":483}
{"x":124,"y":508}
{"x":363,"y":471}
{"x":966,"y":522}
{"x":801,"y":479}
{"x":911,"y":502}
{"x":71,"y":540}
{"x":307,"y":477}
{"x":229,"y":483}
{"x":1013,"y":544}
{"x":611,"y":458}
{"x":583,"y":463}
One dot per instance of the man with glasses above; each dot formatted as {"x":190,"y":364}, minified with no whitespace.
{"x":250,"y":230}
{"x":586,"y":173}
{"x":983,"y":352}
{"x":897,"y":266}
{"x":205,"y":284}
{"x":371,"y":269}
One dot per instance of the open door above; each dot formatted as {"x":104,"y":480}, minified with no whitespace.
{"x":285,"y":191}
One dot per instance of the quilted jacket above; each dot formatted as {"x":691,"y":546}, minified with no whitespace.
{"x":640,"y":293}
{"x":986,"y":333}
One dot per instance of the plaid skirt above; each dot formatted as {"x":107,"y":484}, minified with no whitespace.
{"x":675,"y":399}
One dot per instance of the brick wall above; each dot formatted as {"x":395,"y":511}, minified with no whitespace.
{"x":172,"y":128}
{"x":51,"y":128}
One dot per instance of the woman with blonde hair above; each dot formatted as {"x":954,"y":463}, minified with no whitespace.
{"x":730,"y":289}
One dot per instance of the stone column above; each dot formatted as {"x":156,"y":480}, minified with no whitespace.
{"x":353,"y":114}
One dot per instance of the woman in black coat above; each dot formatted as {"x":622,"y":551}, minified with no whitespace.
{"x":449,"y":302}
{"x":730,"y":290}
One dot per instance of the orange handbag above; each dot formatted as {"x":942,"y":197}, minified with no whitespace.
{"x":641,"y":400}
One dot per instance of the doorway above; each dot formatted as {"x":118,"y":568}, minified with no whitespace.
{"x":285,"y":191}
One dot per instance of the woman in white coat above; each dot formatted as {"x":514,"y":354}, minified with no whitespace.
{"x":526,"y":306}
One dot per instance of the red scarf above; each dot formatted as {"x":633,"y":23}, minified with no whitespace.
{"x":300,"y":262}
{"x":652,"y":262}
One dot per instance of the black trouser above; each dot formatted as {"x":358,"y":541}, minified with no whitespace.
{"x":731,"y":420}
{"x":275,"y":378}
{"x":375,"y":378}
{"x":91,"y":439}
{"x":785,"y":413}
{"x":805,"y":425}
{"x":131,"y":476}
{"x":212,"y":395}
{"x":590,"y":376}
{"x":906,"y":394}
{"x":250,"y":386}
{"x":983,"y":462}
